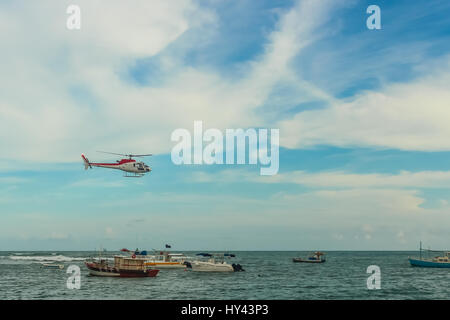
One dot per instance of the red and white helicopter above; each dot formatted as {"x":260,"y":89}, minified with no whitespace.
{"x":137,"y":169}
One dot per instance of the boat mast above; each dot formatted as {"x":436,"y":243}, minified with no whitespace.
{"x":420,"y":250}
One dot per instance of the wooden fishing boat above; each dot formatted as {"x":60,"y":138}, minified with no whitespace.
{"x":317,"y":257}
{"x":123,"y":267}
{"x":434,"y":262}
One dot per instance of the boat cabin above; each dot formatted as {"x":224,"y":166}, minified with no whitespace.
{"x":126,"y":263}
{"x":445,"y":258}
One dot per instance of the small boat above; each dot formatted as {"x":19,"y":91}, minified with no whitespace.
{"x":435,"y":262}
{"x":160,"y":259}
{"x":166,"y":260}
{"x":125,"y":267}
{"x":52,"y":266}
{"x":317,"y":257}
{"x":215,"y":263}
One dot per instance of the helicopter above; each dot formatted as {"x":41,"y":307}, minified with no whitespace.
{"x":132,"y":168}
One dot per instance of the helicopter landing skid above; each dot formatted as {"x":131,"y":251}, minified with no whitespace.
{"x":134,"y":175}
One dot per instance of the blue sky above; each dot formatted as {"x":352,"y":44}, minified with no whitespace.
{"x":363,"y":118}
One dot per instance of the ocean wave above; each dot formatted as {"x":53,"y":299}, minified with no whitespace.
{"x":56,"y":258}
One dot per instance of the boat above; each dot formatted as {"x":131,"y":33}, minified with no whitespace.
{"x":125,"y":267}
{"x":160,"y":259}
{"x":166,"y":260}
{"x":214,"y":263}
{"x":316,"y":257}
{"x":434,"y":262}
{"x":52,"y":266}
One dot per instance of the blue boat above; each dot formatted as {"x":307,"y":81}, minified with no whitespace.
{"x":435,"y":262}
{"x":317,"y":257}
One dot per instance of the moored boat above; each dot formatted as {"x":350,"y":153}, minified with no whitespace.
{"x":317,"y":257}
{"x":166,"y":260}
{"x":160,"y":259}
{"x":215,"y":263}
{"x":123,"y":267}
{"x":434,"y":262}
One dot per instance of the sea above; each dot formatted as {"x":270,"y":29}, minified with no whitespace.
{"x":268,"y":275}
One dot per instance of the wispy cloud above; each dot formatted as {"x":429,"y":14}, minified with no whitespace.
{"x":334,"y":179}
{"x":406,"y":116}
{"x":13,"y":180}
{"x":97,"y":183}
{"x":52,"y":116}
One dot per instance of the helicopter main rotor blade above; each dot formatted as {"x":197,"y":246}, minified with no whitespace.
{"x":127,"y":155}
{"x":140,"y":155}
{"x":118,"y":154}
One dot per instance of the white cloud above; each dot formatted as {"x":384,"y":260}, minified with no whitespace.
{"x":350,"y":204}
{"x":109,"y":231}
{"x":334,"y":179}
{"x":401,"y":236}
{"x":47,"y":121}
{"x":406,"y":116}
{"x":13,"y":180}
{"x":58,"y":236}
{"x":43,"y":119}
{"x":96,"y":183}
{"x":324,"y":215}
{"x":369,"y":207}
{"x":371,"y":214}
{"x":405,"y":179}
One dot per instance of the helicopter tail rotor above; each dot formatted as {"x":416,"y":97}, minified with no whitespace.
{"x":87,"y":164}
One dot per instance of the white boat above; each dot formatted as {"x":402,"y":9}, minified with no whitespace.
{"x":215,"y":263}
{"x":165,"y":260}
{"x":211,"y":266}
{"x":159,"y":259}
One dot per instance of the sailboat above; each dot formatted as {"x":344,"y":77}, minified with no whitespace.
{"x":435,"y":262}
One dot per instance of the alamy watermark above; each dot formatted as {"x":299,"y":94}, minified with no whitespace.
{"x":374,"y":280}
{"x":73,"y":21}
{"x":374,"y":20}
{"x":221,"y":149}
{"x":74,"y":280}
